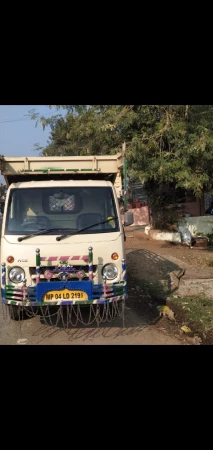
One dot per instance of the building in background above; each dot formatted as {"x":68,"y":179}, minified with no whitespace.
{"x":118,"y":185}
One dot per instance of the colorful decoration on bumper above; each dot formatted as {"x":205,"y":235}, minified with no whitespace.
{"x":65,"y":258}
{"x":68,"y":293}
{"x":3,"y":272}
{"x":38,"y":265}
{"x":124,"y":273}
{"x":90,"y":263}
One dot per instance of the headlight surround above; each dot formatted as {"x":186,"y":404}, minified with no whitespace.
{"x":110,"y":271}
{"x":16,"y":275}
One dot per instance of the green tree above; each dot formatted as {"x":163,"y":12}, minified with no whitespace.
{"x":165,"y":143}
{"x":177,"y":146}
{"x":97,"y":129}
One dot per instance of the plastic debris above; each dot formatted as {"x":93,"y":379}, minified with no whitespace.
{"x":186,"y":237}
{"x":186,"y":329}
{"x":22,"y":341}
{"x":165,"y":311}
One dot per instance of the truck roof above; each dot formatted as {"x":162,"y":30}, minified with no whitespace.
{"x":60,"y":183}
{"x":99,"y":167}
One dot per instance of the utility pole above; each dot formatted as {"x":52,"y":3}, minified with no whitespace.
{"x":124,"y":173}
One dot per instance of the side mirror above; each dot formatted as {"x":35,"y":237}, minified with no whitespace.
{"x":128,"y":218}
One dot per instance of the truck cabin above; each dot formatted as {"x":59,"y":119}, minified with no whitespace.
{"x":62,"y":207}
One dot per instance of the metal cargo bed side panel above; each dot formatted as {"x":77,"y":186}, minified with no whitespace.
{"x":41,"y":168}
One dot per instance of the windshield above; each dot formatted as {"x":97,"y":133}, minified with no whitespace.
{"x":61,"y":210}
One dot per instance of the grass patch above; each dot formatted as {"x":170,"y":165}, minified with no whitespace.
{"x":198,"y":310}
{"x":195,"y":311}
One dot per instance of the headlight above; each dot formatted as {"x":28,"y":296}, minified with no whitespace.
{"x":110,"y":271}
{"x":16,"y":275}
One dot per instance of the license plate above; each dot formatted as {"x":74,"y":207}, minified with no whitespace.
{"x":65,"y":294}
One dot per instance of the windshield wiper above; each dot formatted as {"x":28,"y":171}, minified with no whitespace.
{"x":63,"y":236}
{"x":43,"y":231}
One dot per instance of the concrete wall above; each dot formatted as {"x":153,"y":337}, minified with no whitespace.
{"x":199,"y":286}
{"x":201,"y":224}
{"x":165,"y":236}
{"x":141,"y":215}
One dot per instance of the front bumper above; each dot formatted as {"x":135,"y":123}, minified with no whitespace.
{"x":33,"y":295}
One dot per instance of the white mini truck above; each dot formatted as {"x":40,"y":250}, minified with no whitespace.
{"x":62,"y":238}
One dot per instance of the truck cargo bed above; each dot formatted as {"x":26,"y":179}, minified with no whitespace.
{"x":17,"y":169}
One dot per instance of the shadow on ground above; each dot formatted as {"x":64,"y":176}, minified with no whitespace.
{"x":149,"y":281}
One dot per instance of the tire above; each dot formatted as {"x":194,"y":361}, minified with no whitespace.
{"x":16,"y":312}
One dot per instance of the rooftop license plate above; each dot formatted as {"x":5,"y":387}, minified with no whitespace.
{"x":65,"y":294}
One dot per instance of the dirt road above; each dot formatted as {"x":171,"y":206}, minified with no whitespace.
{"x":137,"y":331}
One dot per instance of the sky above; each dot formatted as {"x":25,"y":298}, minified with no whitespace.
{"x":18,"y":133}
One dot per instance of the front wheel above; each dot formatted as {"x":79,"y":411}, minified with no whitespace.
{"x":16,"y":312}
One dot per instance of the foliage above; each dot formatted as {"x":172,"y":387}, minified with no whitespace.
{"x":164,"y":214}
{"x":165,"y":143}
{"x":178,"y":146}
{"x":3,"y":190}
{"x":208,"y":235}
{"x":210,"y":238}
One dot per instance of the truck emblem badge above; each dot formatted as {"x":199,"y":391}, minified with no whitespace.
{"x":48,"y":275}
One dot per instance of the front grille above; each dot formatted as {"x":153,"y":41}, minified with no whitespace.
{"x":73,"y":272}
